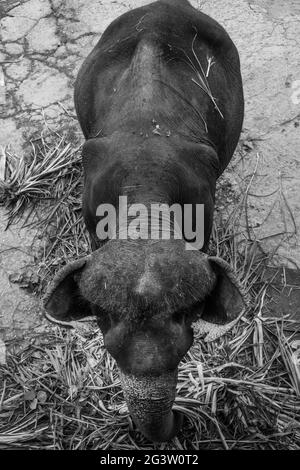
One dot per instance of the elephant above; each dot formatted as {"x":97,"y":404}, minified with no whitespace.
{"x":160,"y":103}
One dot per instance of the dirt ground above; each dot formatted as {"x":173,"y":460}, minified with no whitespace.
{"x":43,"y":43}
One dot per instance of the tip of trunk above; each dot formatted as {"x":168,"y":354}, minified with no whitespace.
{"x":150,"y":401}
{"x":166,"y":431}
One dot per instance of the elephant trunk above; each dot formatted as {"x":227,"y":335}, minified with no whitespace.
{"x":150,"y":400}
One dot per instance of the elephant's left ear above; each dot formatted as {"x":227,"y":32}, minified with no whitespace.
{"x":224,"y":304}
{"x":226,"y":301}
{"x":63,"y":302}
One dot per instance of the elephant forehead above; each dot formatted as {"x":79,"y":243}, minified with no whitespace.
{"x":148,"y":284}
{"x":120,"y":278}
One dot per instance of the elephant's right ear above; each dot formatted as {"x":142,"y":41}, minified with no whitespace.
{"x":62,"y":301}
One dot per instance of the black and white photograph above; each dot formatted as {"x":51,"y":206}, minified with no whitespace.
{"x":149,"y":228}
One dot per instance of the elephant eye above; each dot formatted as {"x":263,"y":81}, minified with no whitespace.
{"x":179,"y":316}
{"x":190,"y":314}
{"x":102,"y":318}
{"x":195,"y":311}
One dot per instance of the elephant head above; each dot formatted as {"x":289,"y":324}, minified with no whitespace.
{"x":148,"y":297}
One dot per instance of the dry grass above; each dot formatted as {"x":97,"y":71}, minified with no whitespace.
{"x":44,"y":191}
{"x":61,"y":389}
